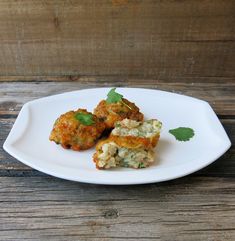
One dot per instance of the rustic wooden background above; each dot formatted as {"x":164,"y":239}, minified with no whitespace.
{"x":52,"y":46}
{"x":160,"y":39}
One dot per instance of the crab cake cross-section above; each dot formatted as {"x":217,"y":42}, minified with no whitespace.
{"x":109,"y":155}
{"x":78,"y":130}
{"x":130,"y":144}
{"x":136,"y":134}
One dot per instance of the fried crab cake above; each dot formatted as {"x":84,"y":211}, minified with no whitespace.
{"x":78,"y":130}
{"x":136,"y":134}
{"x":113,"y":112}
{"x":109,"y":154}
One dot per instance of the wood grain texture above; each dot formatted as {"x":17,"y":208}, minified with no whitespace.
{"x":13,"y":95}
{"x":40,"y":208}
{"x":112,"y":79}
{"x":156,"y":39}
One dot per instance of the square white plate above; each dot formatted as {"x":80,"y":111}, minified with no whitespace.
{"x":28,"y":140}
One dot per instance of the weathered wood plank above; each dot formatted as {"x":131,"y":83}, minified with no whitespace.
{"x":40,"y":208}
{"x":14,"y":95}
{"x":100,"y":79}
{"x":148,"y":39}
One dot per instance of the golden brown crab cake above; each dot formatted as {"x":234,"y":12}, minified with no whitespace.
{"x":109,"y":155}
{"x":113,"y":112}
{"x":78,"y":130}
{"x":136,"y":134}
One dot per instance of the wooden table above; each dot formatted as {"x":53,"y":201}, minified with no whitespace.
{"x":35,"y":206}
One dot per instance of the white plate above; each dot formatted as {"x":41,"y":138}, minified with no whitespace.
{"x":28,"y":139}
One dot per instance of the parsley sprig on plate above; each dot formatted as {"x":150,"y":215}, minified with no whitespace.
{"x":182,"y":133}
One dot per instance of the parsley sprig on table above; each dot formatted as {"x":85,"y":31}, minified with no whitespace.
{"x":114,"y":97}
{"x":85,"y":118}
{"x":182,"y":133}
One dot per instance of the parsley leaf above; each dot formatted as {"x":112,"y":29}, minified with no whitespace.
{"x":85,"y":119}
{"x":141,"y":165}
{"x":113,"y":96}
{"x":182,"y":133}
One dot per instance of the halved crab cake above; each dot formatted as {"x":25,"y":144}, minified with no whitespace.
{"x":109,"y":154}
{"x":115,"y":108}
{"x":136,"y":134}
{"x":78,"y":130}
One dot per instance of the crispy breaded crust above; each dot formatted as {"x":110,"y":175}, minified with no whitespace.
{"x":101,"y":143}
{"x":71,"y":134}
{"x":135,"y":141}
{"x":113,"y":112}
{"x":95,"y":160}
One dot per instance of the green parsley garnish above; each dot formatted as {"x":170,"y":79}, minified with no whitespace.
{"x":114,"y":97}
{"x":85,"y":119}
{"x":141,"y":165}
{"x":182,"y":133}
{"x":117,"y":125}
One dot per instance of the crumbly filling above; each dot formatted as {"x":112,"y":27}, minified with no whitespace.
{"x":112,"y":155}
{"x":128,"y":127}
